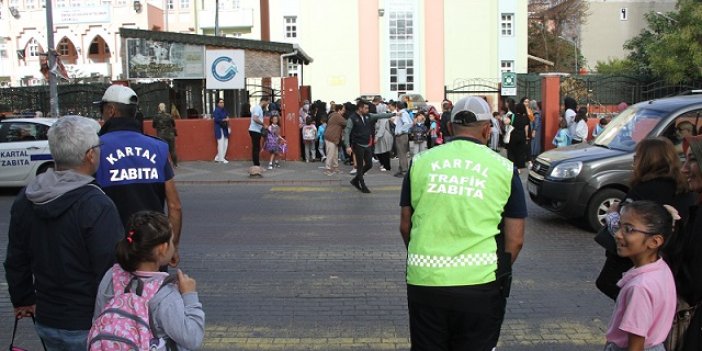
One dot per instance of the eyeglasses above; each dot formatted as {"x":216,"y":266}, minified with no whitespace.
{"x":93,"y":147}
{"x":628,"y":229}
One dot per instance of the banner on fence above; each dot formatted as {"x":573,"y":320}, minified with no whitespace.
{"x":159,"y":59}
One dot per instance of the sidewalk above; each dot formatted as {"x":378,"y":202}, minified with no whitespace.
{"x":290,"y":172}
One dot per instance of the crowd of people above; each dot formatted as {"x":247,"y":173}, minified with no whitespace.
{"x":91,"y":241}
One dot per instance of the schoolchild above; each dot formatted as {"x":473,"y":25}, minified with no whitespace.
{"x":562,"y":137}
{"x":175,"y":314}
{"x":418,"y":134}
{"x":275,"y":144}
{"x":600,"y":126}
{"x":643,"y":313}
{"x":433,"y":130}
{"x":320,"y":138}
{"x":309,"y":134}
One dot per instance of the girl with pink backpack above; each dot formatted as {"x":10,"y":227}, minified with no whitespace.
{"x":137,"y":306}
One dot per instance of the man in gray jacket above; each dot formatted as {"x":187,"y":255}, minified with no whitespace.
{"x":62,"y":237}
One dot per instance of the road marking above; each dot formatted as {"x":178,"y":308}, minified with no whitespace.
{"x":325,"y":189}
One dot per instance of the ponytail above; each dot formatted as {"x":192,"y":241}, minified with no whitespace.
{"x":145,"y":231}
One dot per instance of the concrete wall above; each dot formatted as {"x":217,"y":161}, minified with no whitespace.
{"x":604,"y":34}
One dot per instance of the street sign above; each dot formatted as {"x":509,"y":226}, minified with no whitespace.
{"x":509,"y":84}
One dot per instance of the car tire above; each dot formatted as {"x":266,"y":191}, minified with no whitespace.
{"x":45,"y":167}
{"x":599,"y":204}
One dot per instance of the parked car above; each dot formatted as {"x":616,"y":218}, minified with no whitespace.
{"x":24,"y":150}
{"x":584,"y":180}
{"x":417,"y":101}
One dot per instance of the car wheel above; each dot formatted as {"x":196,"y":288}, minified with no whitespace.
{"x":45,"y":167}
{"x":600,"y":204}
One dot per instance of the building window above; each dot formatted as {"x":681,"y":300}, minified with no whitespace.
{"x":120,"y":2}
{"x":507,"y":24}
{"x":506,"y":66}
{"x":14,"y":3}
{"x":30,"y":4}
{"x":170,"y":4}
{"x":184,"y":4}
{"x":293,"y":69}
{"x":290,"y":26}
{"x":63,"y":48}
{"x":61,"y":3}
{"x":3,"y":51}
{"x":33,"y":48}
{"x":402,"y":47}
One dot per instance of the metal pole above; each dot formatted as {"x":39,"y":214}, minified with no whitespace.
{"x":166,"y":13}
{"x":216,"y":18}
{"x":51,"y":61}
{"x":575,"y":54}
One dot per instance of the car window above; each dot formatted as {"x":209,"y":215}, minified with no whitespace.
{"x":688,"y":123}
{"x":22,"y":131}
{"x":628,"y":128}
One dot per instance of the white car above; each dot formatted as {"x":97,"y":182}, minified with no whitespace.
{"x":24,"y":150}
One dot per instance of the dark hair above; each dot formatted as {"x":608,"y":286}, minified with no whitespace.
{"x":520,"y":109}
{"x":372,"y":108}
{"x":655,"y":217}
{"x":657,"y":158}
{"x":581,"y":115}
{"x":308,"y":120}
{"x":511,"y":105}
{"x":570,"y":103}
{"x":276,"y":116}
{"x":393,"y":103}
{"x":338,"y":107}
{"x":145,"y":231}
{"x":265,"y":98}
{"x":360,"y":103}
{"x":562,"y":123}
{"x":126,"y":110}
{"x":324,"y":119}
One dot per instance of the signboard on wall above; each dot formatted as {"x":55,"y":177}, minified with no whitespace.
{"x":87,"y":14}
{"x":225,"y":69}
{"x":160,"y":59}
{"x":509,"y":84}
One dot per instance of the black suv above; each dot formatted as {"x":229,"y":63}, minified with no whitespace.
{"x":583,"y":180}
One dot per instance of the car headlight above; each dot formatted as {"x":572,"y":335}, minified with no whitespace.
{"x":567,"y":170}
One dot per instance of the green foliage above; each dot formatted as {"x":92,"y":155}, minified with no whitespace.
{"x":547,"y":45}
{"x":671,"y":47}
{"x":616,"y":67}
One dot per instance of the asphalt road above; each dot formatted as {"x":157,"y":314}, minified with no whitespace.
{"x":321,"y":267}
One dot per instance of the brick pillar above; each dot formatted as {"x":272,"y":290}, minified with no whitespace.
{"x":289,"y":118}
{"x":550,"y":106}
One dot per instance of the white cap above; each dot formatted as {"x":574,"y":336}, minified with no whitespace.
{"x":119,"y":94}
{"x":477,"y":106}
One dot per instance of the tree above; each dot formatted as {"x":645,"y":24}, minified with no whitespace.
{"x":552,"y":34}
{"x":670,"y":48}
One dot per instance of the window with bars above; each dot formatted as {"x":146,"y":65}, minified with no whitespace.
{"x":507,"y":24}
{"x":402,"y":68}
{"x":64,"y":47}
{"x":506,"y":66}
{"x":290,"y":26}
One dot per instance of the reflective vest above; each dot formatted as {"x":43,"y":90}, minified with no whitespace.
{"x":458,"y":193}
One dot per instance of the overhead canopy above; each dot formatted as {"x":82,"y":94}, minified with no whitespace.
{"x":208,"y":40}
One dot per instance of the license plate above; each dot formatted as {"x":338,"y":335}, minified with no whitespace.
{"x":532,"y":188}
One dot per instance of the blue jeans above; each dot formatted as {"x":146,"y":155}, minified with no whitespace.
{"x":63,"y":340}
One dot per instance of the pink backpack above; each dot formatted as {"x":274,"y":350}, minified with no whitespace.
{"x":124,"y":323}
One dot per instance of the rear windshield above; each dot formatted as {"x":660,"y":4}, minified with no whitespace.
{"x":629,"y":127}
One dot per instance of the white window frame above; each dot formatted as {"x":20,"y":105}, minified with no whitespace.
{"x":120,"y":3}
{"x":14,"y":3}
{"x":3,"y":51}
{"x":403,"y":62}
{"x":30,"y":4}
{"x":64,"y":49}
{"x":170,"y":4}
{"x":507,"y":24}
{"x":290,"y":26}
{"x":293,"y":69}
{"x":184,"y":4}
{"x":33,"y":48}
{"x":507,"y":66}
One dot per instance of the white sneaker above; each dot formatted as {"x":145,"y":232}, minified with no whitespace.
{"x":382,"y":169}
{"x":270,"y":166}
{"x":353,"y":171}
{"x":225,"y":162}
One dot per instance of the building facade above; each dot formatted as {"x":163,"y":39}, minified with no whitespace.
{"x":382,"y":47}
{"x":611,"y":23}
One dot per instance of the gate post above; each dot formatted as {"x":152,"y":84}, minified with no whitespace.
{"x":290,"y":97}
{"x":550,"y":106}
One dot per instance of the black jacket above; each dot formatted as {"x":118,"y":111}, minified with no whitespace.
{"x":59,"y":249}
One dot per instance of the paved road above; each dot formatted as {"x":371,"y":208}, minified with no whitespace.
{"x":287,"y":264}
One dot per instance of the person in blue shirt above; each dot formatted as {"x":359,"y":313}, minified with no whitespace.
{"x":221,"y":131}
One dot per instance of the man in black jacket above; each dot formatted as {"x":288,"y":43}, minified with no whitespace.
{"x":62,"y":238}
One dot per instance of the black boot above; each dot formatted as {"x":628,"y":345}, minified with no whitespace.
{"x":364,"y":189}
{"x":356,"y":183}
